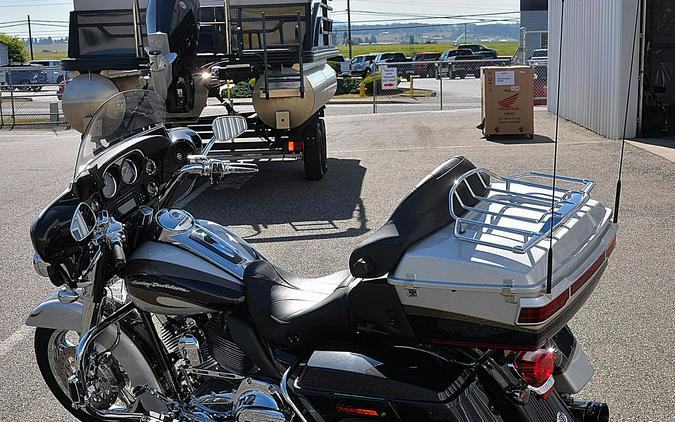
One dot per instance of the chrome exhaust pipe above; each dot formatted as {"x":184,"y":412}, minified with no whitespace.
{"x":590,"y":411}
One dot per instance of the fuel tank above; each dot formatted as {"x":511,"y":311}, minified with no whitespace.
{"x":320,"y":84}
{"x":193,"y":266}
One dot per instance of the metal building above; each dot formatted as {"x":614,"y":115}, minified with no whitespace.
{"x":597,"y":50}
{"x":534,"y":15}
{"x":4,"y":54}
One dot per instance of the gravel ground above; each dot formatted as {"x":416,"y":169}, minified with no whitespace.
{"x":627,"y":327}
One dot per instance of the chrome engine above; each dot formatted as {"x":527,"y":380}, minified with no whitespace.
{"x":253,"y":401}
{"x":209,"y":361}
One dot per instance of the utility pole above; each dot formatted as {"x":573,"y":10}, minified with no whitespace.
{"x":30,"y":38}
{"x":349,"y":29}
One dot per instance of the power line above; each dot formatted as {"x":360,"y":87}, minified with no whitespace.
{"x":388,"y":28}
{"x":33,"y":5}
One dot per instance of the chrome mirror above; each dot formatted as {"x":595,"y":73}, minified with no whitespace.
{"x":83,"y":222}
{"x":226,"y":128}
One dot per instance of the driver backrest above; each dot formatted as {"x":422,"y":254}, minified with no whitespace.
{"x":423,"y":211}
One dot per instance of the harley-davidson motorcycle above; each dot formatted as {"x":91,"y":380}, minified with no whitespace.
{"x":446,"y":313}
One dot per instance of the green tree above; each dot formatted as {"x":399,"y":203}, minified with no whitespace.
{"x":15,"y":47}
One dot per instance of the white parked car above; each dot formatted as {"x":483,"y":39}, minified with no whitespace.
{"x":539,"y":57}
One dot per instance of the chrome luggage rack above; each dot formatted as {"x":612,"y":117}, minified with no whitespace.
{"x":530,"y":201}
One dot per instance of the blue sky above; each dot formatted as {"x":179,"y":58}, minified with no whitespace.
{"x":51,"y":15}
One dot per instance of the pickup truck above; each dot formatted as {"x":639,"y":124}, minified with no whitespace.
{"x":424,"y":64}
{"x":24,"y":77}
{"x":391,"y":59}
{"x":54,"y":71}
{"x":479,"y":50}
{"x":359,"y":64}
{"x":463,"y":62}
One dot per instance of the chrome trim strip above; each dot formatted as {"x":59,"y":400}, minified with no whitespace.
{"x":284,"y":393}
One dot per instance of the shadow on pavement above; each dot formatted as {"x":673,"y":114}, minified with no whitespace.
{"x":667,"y":141}
{"x":517,"y":139}
{"x":280,"y":195}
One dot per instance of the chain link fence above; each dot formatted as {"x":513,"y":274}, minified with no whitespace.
{"x":31,"y":95}
{"x":530,"y":42}
{"x":430,"y":86}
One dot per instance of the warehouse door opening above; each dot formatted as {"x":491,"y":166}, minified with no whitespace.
{"x":658,"y":99}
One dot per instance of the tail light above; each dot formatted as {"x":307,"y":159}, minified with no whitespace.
{"x":357,"y":411}
{"x":541,"y":314}
{"x":295,"y":146}
{"x":535,"y":368}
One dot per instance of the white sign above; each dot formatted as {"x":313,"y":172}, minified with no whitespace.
{"x":506,"y":77}
{"x":389,"y":78}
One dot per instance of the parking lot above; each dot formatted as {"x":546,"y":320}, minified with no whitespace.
{"x":626,"y":328}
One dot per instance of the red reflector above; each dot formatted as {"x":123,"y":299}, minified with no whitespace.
{"x":533,"y":315}
{"x":610,"y":249}
{"x":294,"y":146}
{"x":587,"y":275}
{"x":357,"y":411}
{"x":535,"y":368}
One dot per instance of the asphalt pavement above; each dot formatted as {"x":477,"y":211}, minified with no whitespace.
{"x":627,"y":328}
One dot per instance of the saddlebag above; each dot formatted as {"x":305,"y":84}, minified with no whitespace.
{"x":409,"y":384}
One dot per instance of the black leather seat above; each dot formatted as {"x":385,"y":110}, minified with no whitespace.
{"x":302,"y":313}
{"x":297,"y":313}
{"x":422,"y":212}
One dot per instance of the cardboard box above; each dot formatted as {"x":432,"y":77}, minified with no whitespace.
{"x":507,"y":100}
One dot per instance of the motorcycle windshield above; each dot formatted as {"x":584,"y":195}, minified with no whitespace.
{"x":120,"y":118}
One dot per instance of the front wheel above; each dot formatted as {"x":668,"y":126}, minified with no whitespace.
{"x":55,"y":355}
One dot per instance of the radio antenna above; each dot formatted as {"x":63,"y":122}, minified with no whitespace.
{"x":617,"y":198}
{"x":549,"y":271}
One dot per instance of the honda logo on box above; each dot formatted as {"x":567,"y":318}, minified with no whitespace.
{"x":508,"y":102}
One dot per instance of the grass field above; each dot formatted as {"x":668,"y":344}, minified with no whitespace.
{"x":503,"y":48}
{"x":58,"y":55}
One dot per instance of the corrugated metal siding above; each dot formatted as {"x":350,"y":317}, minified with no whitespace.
{"x":595,"y":64}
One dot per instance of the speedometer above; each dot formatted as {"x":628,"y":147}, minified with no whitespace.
{"x":109,"y":185}
{"x":129,"y":172}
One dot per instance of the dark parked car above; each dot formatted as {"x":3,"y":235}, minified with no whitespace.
{"x":424,"y":64}
{"x":25,"y":78}
{"x":450,"y":56}
{"x":480,"y":50}
{"x":392,"y":59}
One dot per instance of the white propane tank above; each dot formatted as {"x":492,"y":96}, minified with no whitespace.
{"x":285,"y":99}
{"x":83,"y":96}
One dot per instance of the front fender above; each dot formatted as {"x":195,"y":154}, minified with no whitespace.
{"x":53,"y":314}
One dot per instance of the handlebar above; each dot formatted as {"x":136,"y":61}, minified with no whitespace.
{"x":119,"y":258}
{"x":214,"y":168}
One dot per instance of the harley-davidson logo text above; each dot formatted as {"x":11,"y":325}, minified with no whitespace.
{"x":159,"y":286}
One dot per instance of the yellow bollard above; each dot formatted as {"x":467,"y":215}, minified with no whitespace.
{"x":229,"y":89}
{"x":411,"y":85}
{"x":362,"y":89}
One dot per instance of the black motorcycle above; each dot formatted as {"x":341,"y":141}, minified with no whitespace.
{"x":164,"y":317}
